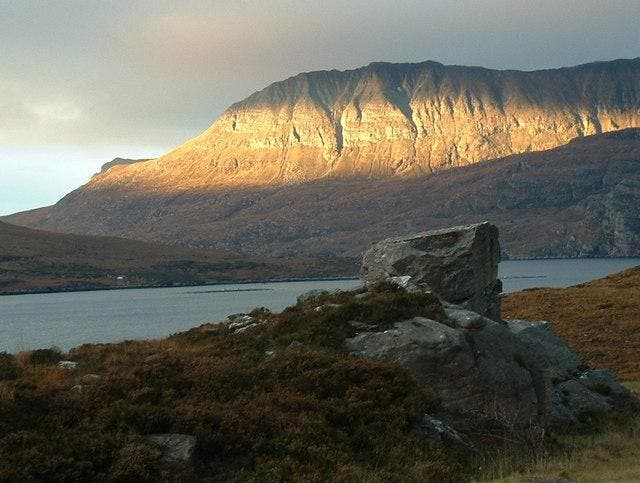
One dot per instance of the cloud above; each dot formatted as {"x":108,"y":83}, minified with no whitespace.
{"x":55,"y":111}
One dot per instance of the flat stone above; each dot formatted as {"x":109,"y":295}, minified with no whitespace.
{"x":70,"y":365}
{"x":178,"y":448}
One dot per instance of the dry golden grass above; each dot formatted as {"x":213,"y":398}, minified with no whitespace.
{"x":599,"y":319}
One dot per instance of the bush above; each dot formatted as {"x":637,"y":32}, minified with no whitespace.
{"x":8,"y":367}
{"x":41,"y":357}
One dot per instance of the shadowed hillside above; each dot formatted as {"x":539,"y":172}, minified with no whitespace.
{"x":578,"y":200}
{"x":34,"y":260}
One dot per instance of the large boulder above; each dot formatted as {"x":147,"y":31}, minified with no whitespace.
{"x":459,"y":264}
{"x":550,"y":350}
{"x":487,"y":371}
{"x":480,"y":373}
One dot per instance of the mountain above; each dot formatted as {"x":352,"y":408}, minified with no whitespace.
{"x":324,"y":162}
{"x":34,"y":260}
{"x":393,"y":119}
{"x":120,"y":162}
{"x":580,"y":199}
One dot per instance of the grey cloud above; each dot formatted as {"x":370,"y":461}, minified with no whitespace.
{"x":158,"y":72}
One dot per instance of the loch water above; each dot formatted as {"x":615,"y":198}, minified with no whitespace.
{"x":66,"y":320}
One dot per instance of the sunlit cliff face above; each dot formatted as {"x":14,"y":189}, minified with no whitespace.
{"x":393,"y":120}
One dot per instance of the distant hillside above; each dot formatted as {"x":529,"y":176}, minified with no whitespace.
{"x":34,"y":260}
{"x":578,"y":200}
{"x":599,"y":319}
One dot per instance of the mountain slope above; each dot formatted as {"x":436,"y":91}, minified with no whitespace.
{"x":34,"y":260}
{"x":576,"y":200}
{"x":393,"y":119}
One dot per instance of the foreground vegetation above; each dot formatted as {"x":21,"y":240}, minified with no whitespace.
{"x":607,"y":453}
{"x":281,"y":400}
{"x":278,"y":400}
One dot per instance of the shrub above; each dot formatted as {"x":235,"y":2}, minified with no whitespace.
{"x":307,"y":412}
{"x":41,"y":357}
{"x":8,"y":367}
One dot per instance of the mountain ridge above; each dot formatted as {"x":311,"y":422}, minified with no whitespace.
{"x":393,"y":120}
{"x":290,"y":169}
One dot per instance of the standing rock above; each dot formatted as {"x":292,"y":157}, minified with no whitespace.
{"x":459,"y":264}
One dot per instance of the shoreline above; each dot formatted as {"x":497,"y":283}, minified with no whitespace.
{"x":253,"y":281}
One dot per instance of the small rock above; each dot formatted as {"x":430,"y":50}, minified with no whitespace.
{"x":436,"y":431}
{"x":71,"y":365}
{"x":602,"y":382}
{"x":356,"y":324}
{"x":239,"y":321}
{"x":571,"y":400}
{"x":320,"y":308}
{"x":244,"y":328}
{"x":466,"y":319}
{"x":90,"y":378}
{"x":178,"y":448}
{"x":294,"y":345}
{"x":312,"y":295}
{"x":360,"y":289}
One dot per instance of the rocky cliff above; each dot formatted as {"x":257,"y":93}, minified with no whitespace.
{"x":394,"y":119}
{"x":325,"y":162}
{"x":573,"y":201}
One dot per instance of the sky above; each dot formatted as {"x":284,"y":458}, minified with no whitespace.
{"x":83,"y":82}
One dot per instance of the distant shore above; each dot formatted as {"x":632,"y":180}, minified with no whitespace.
{"x":94,"y":288}
{"x":171,"y":285}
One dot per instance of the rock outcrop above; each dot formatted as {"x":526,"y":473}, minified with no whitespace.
{"x":459,"y":264}
{"x":120,"y":162}
{"x":507,"y":375}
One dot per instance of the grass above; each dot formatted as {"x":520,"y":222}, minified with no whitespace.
{"x":610,"y":454}
{"x":600,"y":320}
